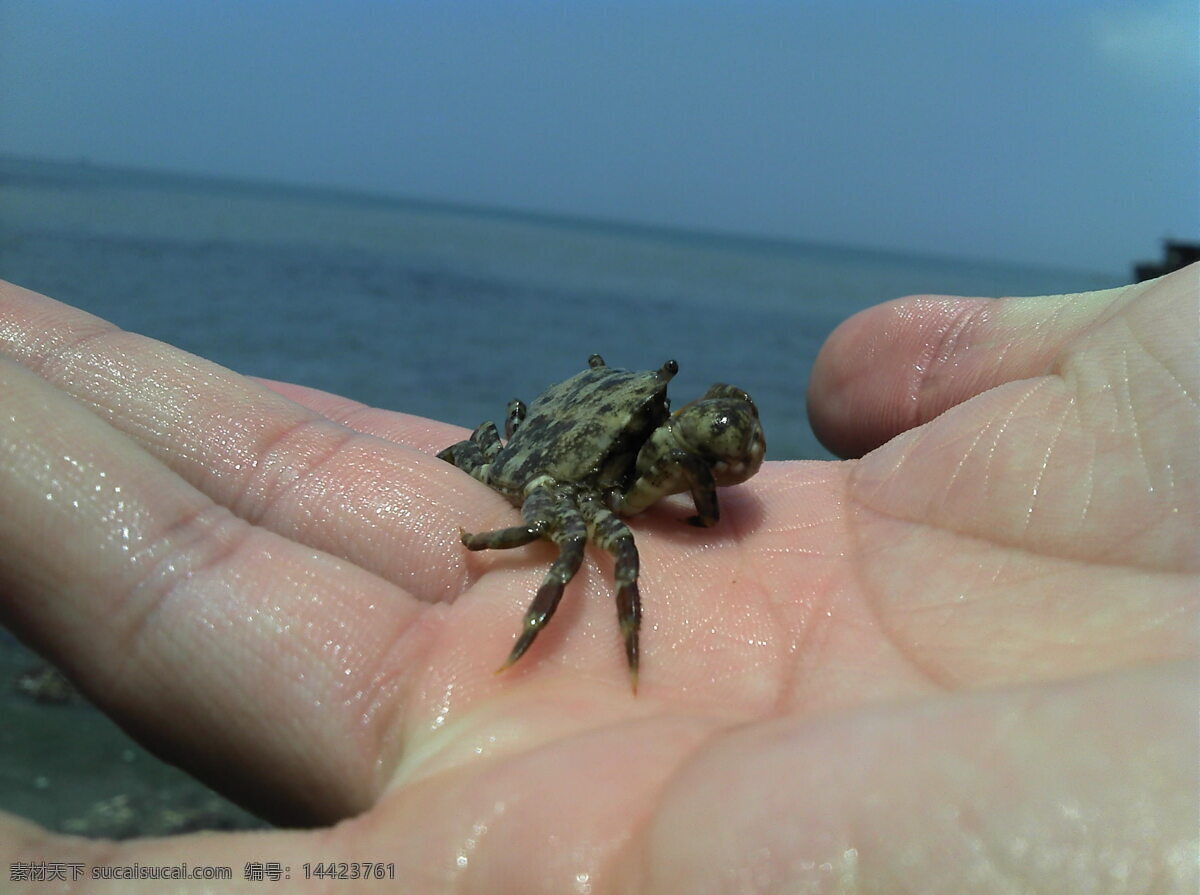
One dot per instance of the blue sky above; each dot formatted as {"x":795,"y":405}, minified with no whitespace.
{"x":1056,"y":131}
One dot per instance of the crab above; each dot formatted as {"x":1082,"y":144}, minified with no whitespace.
{"x":597,"y":446}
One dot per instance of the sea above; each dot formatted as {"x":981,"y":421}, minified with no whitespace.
{"x":437,"y":310}
{"x":449,"y":312}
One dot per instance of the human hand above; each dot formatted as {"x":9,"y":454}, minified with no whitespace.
{"x":960,"y":663}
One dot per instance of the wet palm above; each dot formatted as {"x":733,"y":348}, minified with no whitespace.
{"x":926,"y":664}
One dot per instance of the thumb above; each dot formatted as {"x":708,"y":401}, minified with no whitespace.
{"x":898,"y":365}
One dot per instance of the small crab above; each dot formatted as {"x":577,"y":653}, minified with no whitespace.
{"x":601,"y":444}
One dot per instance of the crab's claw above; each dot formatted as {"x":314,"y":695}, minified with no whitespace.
{"x":724,"y":430}
{"x":716,"y":440}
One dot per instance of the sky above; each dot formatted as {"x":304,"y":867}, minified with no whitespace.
{"x":1061,"y":132}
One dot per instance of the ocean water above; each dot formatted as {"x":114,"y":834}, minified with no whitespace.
{"x":450,"y":312}
{"x":443,"y":312}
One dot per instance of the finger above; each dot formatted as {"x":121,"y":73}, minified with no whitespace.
{"x":255,"y":661}
{"x":421,"y":434}
{"x":267,"y":459}
{"x":1051,"y":517}
{"x":1076,"y":448}
{"x":900,"y":364}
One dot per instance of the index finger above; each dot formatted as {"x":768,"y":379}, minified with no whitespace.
{"x":269,"y":460}
{"x":273,"y":670}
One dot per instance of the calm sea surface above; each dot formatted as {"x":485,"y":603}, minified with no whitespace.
{"x":449,"y":313}
{"x":442,"y":312}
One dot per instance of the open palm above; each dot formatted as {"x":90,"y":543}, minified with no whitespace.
{"x":963,"y":660}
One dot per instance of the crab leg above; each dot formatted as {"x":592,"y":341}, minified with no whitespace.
{"x":611,"y":534}
{"x":672,"y":473}
{"x":553,"y":514}
{"x":537,"y":513}
{"x":474,"y":454}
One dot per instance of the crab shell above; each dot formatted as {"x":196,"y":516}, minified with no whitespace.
{"x":586,"y":430}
